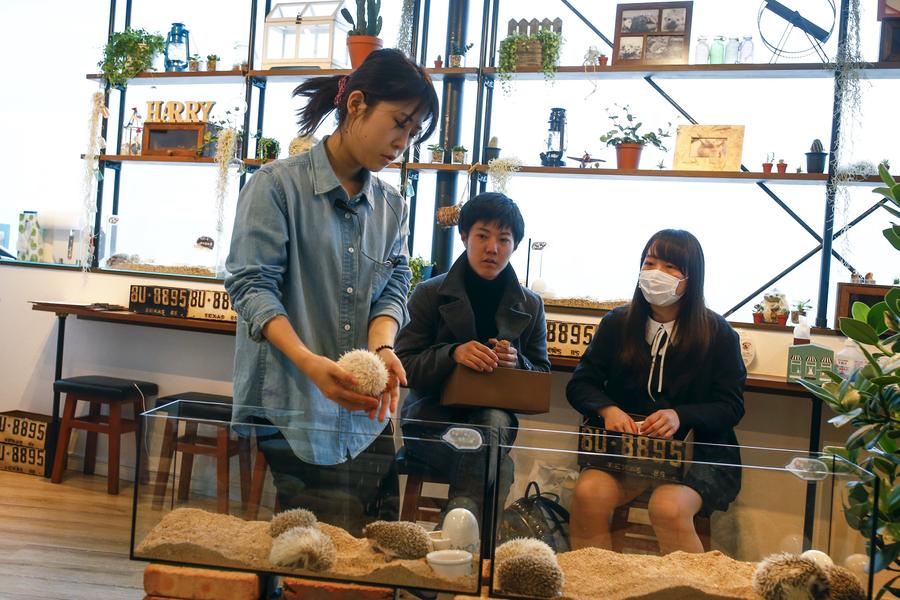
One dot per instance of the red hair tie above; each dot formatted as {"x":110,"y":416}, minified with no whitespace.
{"x":342,"y":85}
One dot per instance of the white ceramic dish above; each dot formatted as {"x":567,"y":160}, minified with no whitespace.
{"x":450,"y":563}
{"x":438,"y":541}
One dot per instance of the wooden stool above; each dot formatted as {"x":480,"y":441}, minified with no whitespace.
{"x":635,"y":537}
{"x":99,"y":390}
{"x":417,"y":507}
{"x":195,"y":409}
{"x":260,"y":466}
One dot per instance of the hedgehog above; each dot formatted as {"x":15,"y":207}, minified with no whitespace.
{"x":522,"y":546}
{"x":844,"y":584}
{"x":790,"y":577}
{"x":400,"y":539}
{"x":535,"y":576}
{"x":297,"y":517}
{"x":304,"y":548}
{"x":370,"y":373}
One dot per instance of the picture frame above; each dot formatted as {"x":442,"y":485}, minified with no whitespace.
{"x":848,"y":293}
{"x":708,"y":148}
{"x":652,"y":33}
{"x":890,"y":40}
{"x":888,"y":9}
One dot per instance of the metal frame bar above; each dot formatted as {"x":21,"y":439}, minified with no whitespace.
{"x":248,"y":89}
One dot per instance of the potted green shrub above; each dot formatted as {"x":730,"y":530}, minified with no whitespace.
{"x":211,"y":61}
{"x":437,"y":153}
{"x":758,"y":310}
{"x":459,"y":154}
{"x":363,"y":38}
{"x":421,"y":271}
{"x":781,"y":166}
{"x":194,"y":63}
{"x":629,"y":142}
{"x":869,"y":400}
{"x":457,"y":56}
{"x":438,"y":62}
{"x":800,"y":308}
{"x":267,"y":149}
{"x":128,"y":53}
{"x":545,"y":42}
{"x":815,"y":158}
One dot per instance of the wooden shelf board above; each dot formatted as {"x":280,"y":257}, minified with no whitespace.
{"x":721,"y":176}
{"x":749,"y":71}
{"x":432,"y":166}
{"x":200,"y":160}
{"x":295,"y":74}
{"x":181,"y":77}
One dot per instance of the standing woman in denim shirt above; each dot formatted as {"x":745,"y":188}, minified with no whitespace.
{"x":319,"y":266}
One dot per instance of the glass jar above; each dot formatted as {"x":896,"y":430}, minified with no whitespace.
{"x":701,"y":52}
{"x":717,"y":51}
{"x":745,"y":53}
{"x":731,"y":51}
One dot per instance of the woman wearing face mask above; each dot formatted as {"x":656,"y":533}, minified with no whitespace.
{"x":669,"y":357}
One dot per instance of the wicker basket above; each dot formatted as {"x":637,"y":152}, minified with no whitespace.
{"x":448,"y":216}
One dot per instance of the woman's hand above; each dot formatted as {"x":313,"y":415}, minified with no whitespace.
{"x":663,"y":423}
{"x":476,"y":355}
{"x":391,"y":394}
{"x":507,"y":355}
{"x":615,"y":419}
{"x":335,"y":384}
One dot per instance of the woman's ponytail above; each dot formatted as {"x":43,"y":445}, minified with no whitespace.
{"x":321,"y":92}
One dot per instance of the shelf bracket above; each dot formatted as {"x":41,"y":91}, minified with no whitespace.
{"x":258,"y":82}
{"x":489,"y":82}
{"x":115,"y":165}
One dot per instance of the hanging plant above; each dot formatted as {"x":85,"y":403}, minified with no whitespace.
{"x":500,"y":170}
{"x":550,"y":42}
{"x":92,"y":173}
{"x":404,"y":35}
{"x":225,"y":144}
{"x":128,"y":53}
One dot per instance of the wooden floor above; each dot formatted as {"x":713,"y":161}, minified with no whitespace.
{"x":67,"y":541}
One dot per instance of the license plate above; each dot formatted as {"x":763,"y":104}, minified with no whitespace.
{"x":565,"y":338}
{"x":656,"y":458}
{"x":182,"y":303}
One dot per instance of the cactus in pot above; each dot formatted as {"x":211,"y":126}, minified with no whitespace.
{"x":815,"y":158}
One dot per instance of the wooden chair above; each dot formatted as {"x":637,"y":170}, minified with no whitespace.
{"x":99,"y":390}
{"x":416,"y":506}
{"x":630,"y":536}
{"x":194,"y":410}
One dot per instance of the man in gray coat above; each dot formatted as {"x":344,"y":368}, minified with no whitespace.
{"x":478,"y":315}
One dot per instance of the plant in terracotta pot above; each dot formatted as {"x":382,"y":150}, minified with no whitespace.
{"x":604,"y":60}
{"x":194,"y":62}
{"x":815,"y":158}
{"x":457,"y":56}
{"x":781,"y":166}
{"x":211,"y":61}
{"x":767,"y":166}
{"x":363,"y":38}
{"x":625,"y":135}
{"x":758,"y":310}
{"x":459,"y":154}
{"x":437,"y":153}
{"x":438,"y":62}
{"x":128,"y":53}
{"x":800,"y":308}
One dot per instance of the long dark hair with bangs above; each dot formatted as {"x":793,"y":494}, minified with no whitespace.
{"x":695,"y":321}
{"x":386,"y":75}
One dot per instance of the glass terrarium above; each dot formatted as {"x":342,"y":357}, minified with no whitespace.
{"x":207,"y":498}
{"x":754,"y":502}
{"x":305,"y":34}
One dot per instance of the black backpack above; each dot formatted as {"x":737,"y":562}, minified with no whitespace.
{"x":536,"y":515}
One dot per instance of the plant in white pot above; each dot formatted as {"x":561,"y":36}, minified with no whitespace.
{"x":457,"y":56}
{"x":628,"y":140}
{"x":459,"y":154}
{"x":437,"y":153}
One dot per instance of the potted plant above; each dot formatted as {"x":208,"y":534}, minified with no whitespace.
{"x":211,"y":60}
{"x":758,"y":313}
{"x":604,"y":60}
{"x":767,"y":166}
{"x":363,"y":38}
{"x":459,"y":154}
{"x":267,"y":149}
{"x":545,"y":43}
{"x":800,"y":308}
{"x":421,"y":271}
{"x":437,"y":153}
{"x":781,"y":166}
{"x":128,"y":53}
{"x":815,"y":158}
{"x":194,"y":63}
{"x":492,"y":150}
{"x":868,"y":401}
{"x":438,"y":62}
{"x":457,"y":56}
{"x":628,"y":140}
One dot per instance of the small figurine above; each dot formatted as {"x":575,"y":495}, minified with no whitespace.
{"x":586,"y":159}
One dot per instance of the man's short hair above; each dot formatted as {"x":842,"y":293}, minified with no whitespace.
{"x":493,"y":207}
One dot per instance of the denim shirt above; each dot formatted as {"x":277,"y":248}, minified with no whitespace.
{"x":297,"y":251}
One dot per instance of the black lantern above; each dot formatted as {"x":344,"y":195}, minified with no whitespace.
{"x":556,"y":139}
{"x":178,"y":48}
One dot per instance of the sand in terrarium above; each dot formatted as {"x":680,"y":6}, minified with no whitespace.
{"x":189,"y":535}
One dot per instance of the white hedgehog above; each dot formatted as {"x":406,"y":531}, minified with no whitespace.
{"x":297,"y":517}
{"x":400,"y":539}
{"x":790,"y":577}
{"x":522,"y":546}
{"x":535,"y":576}
{"x":305,"y":548}
{"x":370,"y":373}
{"x":301,"y":144}
{"x":844,"y":584}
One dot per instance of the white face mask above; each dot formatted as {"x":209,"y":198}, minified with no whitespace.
{"x":659,"y":288}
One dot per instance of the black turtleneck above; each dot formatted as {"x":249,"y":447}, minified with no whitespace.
{"x":485,"y":295}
